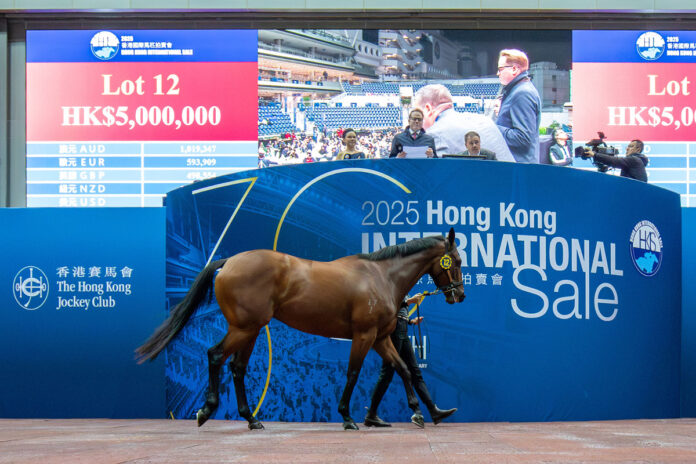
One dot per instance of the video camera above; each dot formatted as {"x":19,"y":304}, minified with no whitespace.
{"x":598,"y":146}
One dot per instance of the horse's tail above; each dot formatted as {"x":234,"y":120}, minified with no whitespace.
{"x":180,"y":315}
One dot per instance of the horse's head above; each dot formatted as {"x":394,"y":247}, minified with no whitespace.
{"x":446,"y":272}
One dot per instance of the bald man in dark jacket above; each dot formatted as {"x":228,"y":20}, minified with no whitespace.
{"x":632,"y":165}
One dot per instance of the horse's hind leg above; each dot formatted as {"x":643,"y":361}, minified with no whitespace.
{"x":238,"y":364}
{"x":233,"y":341}
{"x":358,"y":350}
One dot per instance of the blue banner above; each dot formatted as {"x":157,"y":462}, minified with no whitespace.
{"x":572,"y":281}
{"x":81,"y":289}
{"x":688,"y":333}
{"x":634,"y":46}
{"x":93,"y":46}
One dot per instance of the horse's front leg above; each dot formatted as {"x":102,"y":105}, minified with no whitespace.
{"x":385,"y":348}
{"x":362,"y":342}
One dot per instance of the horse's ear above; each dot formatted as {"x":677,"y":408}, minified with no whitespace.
{"x":450,"y":238}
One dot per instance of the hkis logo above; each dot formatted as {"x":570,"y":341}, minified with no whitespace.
{"x":104,"y":45}
{"x":30,"y":288}
{"x":650,"y":46}
{"x":646,"y":248}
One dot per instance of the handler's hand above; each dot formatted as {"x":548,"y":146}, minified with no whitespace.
{"x":416,"y":320}
{"x":429,"y":152}
{"x":417,"y":298}
{"x":401,"y":155}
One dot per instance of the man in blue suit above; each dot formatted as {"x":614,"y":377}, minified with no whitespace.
{"x":520,"y":108}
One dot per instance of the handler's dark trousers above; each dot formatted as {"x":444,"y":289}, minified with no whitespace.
{"x":403,"y":346}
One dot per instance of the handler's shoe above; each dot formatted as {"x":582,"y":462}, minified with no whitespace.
{"x":439,"y":415}
{"x":373,"y":420}
{"x":417,"y":419}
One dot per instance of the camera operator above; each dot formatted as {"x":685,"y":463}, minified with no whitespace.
{"x":632,"y":165}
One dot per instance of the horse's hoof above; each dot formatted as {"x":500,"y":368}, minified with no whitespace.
{"x":201,"y":417}
{"x":418,"y":420}
{"x":256,"y":425}
{"x":350,"y":425}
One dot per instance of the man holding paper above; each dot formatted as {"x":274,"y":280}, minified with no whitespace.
{"x":413,"y":142}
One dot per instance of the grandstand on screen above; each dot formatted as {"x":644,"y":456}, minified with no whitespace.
{"x":321,"y":80}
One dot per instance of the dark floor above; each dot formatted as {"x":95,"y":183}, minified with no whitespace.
{"x":166,"y":441}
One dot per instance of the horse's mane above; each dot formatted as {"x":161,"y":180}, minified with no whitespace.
{"x":403,"y":249}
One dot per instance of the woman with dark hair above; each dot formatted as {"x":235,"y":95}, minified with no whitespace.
{"x":559,"y":152}
{"x":350,"y":140}
{"x":413,"y":136}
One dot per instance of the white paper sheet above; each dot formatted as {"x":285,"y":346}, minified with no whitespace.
{"x":415,"y":152}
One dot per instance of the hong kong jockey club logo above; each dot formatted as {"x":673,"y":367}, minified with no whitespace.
{"x":650,"y":46}
{"x":104,"y":45}
{"x":646,"y":248}
{"x":30,"y":288}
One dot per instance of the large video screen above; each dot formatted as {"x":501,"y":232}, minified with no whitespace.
{"x":120,"y":117}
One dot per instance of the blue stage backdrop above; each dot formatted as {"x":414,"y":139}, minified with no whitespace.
{"x":688,"y":351}
{"x":572,"y":281}
{"x":81,"y":289}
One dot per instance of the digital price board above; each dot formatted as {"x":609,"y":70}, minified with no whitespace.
{"x":119,"y":118}
{"x":640,"y":85}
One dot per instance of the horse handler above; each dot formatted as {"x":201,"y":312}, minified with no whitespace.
{"x":403,"y":345}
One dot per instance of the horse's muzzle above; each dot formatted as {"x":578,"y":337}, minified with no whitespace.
{"x":454,"y":292}
{"x":455,"y":297}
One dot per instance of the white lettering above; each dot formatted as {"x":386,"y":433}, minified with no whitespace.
{"x":533,"y":291}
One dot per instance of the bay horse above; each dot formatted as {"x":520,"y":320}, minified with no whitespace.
{"x":355,"y":297}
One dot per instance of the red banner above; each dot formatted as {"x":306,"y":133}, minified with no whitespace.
{"x":647,"y":101}
{"x":142,"y":101}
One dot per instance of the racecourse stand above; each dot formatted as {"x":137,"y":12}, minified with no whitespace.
{"x":355,"y":117}
{"x":476,"y":90}
{"x":272,"y":121}
{"x":469,"y":108}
